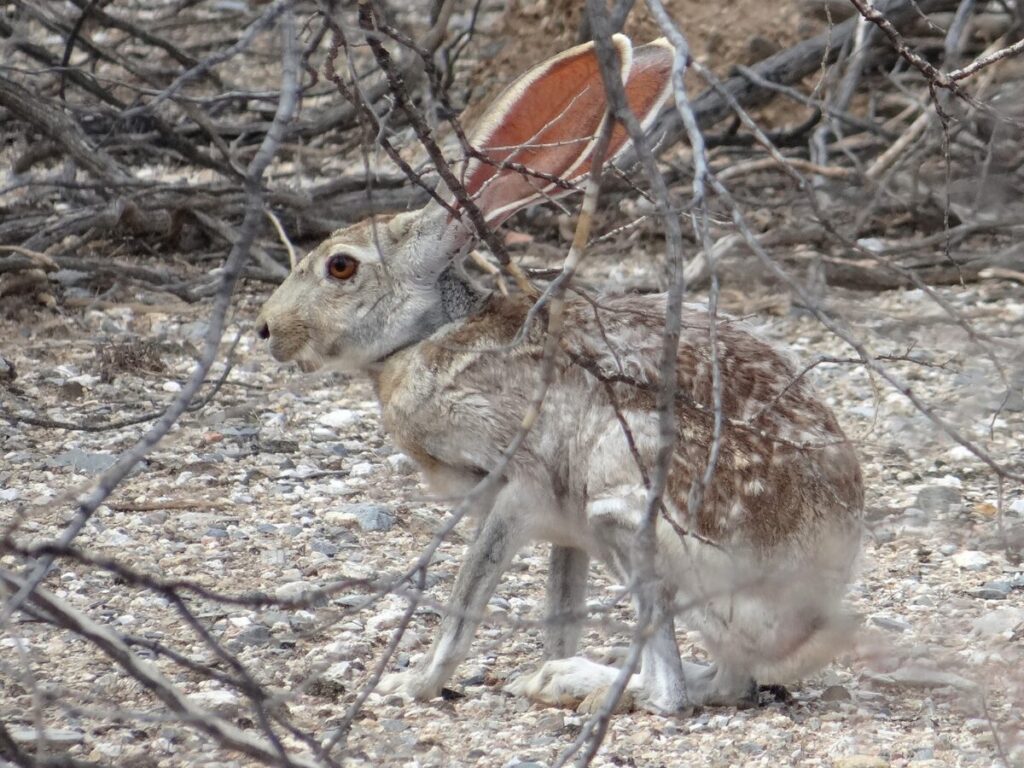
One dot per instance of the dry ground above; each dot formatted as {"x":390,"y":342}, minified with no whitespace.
{"x":261,"y":491}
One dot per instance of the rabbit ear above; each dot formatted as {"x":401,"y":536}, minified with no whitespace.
{"x":647,"y":89}
{"x":548,"y":120}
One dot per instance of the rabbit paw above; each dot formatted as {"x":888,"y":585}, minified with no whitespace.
{"x":410,"y":684}
{"x":564,"y":682}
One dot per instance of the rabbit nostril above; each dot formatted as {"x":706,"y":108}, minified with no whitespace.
{"x":264,"y":331}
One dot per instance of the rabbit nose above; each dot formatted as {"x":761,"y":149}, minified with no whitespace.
{"x":264,"y":330}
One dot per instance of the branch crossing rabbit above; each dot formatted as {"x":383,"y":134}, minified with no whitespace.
{"x":759,"y":568}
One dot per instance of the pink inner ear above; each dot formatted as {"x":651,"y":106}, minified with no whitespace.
{"x":547,"y":121}
{"x":646,"y":89}
{"x":545,"y":128}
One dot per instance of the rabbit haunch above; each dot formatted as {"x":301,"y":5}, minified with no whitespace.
{"x":757,"y":562}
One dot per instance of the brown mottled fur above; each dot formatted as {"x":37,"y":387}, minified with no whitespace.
{"x":794,"y":448}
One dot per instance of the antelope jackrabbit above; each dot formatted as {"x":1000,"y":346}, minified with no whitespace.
{"x":759,"y":567}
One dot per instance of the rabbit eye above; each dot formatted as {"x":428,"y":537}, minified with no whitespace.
{"x":342,"y":266}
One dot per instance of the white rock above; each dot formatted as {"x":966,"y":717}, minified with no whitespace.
{"x":56,"y":736}
{"x":9,"y":494}
{"x":1017,"y":507}
{"x":114,"y":538}
{"x":384,"y":620}
{"x":339,"y":672}
{"x":362,"y":469}
{"x":1002,"y":621}
{"x":971,"y":560}
{"x":110,"y":750}
{"x":86,"y":380}
{"x":341,"y":418}
{"x":872,"y":244}
{"x":401,"y":464}
{"x":221,"y":702}
{"x":958,"y":453}
{"x":171,"y":386}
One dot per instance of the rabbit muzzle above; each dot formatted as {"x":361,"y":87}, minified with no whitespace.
{"x":289,"y":341}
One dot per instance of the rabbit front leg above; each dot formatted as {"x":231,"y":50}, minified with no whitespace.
{"x":661,"y":684}
{"x":501,"y":534}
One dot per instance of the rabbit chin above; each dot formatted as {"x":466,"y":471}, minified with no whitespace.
{"x":344,"y":363}
{"x":349,"y":360}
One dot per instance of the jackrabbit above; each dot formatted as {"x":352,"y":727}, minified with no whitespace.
{"x":759,"y":567}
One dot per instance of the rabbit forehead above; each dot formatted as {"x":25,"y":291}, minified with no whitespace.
{"x":365,"y":241}
{"x":383,"y":240}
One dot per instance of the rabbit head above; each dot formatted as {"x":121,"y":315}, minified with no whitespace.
{"x":385,"y":283}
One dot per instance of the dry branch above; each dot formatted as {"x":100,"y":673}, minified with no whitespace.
{"x":64,"y":132}
{"x":154,"y":97}
{"x":785,"y":68}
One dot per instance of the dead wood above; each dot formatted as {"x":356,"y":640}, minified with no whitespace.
{"x":785,"y":68}
{"x":49,"y":120}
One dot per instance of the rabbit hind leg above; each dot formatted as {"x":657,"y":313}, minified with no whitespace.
{"x":662,"y":683}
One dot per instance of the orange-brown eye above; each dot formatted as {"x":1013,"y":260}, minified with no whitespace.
{"x":342,"y":267}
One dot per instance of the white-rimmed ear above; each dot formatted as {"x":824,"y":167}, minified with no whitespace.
{"x":647,"y":89}
{"x":548,"y":119}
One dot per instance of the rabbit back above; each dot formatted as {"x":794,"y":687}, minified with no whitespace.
{"x":784,"y":472}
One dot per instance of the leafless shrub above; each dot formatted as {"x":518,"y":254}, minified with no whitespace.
{"x":214,"y":130}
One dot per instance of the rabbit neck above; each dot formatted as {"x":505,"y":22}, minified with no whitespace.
{"x":459,"y":297}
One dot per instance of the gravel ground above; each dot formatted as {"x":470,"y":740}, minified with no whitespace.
{"x":286,"y":482}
